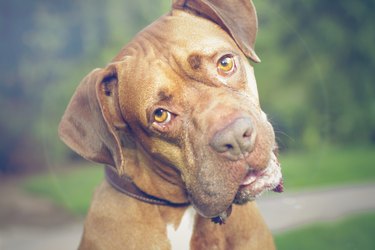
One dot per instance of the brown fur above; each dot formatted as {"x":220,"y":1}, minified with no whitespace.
{"x":172,"y":65}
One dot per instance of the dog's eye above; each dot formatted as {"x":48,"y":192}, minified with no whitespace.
{"x":226,"y":65}
{"x":162,"y":116}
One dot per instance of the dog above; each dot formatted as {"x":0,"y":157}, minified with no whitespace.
{"x":176,"y":120}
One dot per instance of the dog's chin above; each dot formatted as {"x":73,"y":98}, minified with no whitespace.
{"x":251,"y":187}
{"x":256,"y":183}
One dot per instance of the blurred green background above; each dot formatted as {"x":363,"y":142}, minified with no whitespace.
{"x":316,"y":79}
{"x":316,"y":83}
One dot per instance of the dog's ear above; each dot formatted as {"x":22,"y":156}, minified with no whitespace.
{"x":238,"y":18}
{"x":92,"y":124}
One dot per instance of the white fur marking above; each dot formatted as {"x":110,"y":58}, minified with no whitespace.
{"x":251,"y":80}
{"x":180,"y":237}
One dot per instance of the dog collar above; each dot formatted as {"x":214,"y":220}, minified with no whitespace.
{"x":126,"y":186}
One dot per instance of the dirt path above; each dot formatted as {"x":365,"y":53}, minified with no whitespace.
{"x":36,"y":224}
{"x":295,"y":209}
{"x":28,"y":222}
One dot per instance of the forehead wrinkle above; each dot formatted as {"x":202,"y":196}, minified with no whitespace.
{"x":164,"y":96}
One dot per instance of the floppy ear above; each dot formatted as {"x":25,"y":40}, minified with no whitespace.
{"x":238,"y":18}
{"x":92,"y":124}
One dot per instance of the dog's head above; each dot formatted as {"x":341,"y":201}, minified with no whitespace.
{"x":180,"y":102}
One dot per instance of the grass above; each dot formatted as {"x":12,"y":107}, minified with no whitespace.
{"x":71,"y":189}
{"x":351,"y":233}
{"x":327,"y":166}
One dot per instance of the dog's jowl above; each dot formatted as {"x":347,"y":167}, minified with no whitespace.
{"x":176,"y":121}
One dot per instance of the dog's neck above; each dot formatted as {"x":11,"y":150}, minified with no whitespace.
{"x":126,"y":186}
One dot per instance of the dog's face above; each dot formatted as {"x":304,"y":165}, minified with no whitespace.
{"x":183,"y":94}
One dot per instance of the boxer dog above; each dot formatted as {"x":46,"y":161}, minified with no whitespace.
{"x":176,"y":120}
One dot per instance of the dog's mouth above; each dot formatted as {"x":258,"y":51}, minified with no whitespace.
{"x":254,"y":184}
{"x":257,"y":182}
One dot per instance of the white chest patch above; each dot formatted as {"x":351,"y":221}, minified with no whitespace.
{"x":180,"y":237}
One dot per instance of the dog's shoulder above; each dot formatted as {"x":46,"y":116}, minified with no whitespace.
{"x":113,"y":213}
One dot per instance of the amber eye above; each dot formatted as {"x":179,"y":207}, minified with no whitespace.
{"x":162,"y":116}
{"x":226,"y":65}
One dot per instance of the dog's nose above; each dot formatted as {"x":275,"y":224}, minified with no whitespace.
{"x":234,"y":140}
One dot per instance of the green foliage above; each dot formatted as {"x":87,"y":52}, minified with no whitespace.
{"x":316,"y":77}
{"x":353,"y":233}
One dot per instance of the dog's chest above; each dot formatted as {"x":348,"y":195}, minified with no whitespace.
{"x":180,"y":237}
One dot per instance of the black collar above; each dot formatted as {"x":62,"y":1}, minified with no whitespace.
{"x":126,"y":186}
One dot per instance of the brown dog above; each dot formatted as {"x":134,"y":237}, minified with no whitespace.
{"x":176,"y":118}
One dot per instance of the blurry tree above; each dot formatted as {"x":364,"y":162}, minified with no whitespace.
{"x":319,"y":59}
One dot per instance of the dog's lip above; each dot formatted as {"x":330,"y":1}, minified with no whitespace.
{"x":251,"y":177}
{"x":268,"y":179}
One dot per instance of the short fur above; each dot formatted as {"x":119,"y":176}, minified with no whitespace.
{"x":173,"y":65}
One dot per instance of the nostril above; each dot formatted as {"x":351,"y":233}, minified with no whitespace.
{"x":248,"y":129}
{"x":247,"y":134}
